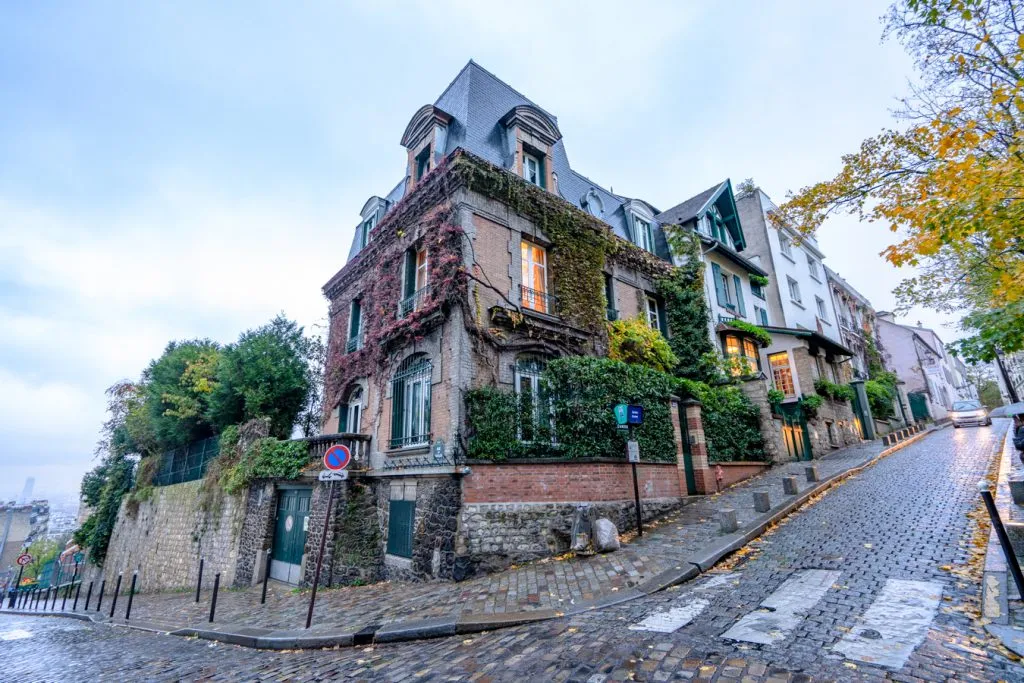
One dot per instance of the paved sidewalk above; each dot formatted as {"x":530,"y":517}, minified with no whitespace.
{"x":542,"y":587}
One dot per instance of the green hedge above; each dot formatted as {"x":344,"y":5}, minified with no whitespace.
{"x":880,"y":400}
{"x":732,"y":423}
{"x":584,"y":389}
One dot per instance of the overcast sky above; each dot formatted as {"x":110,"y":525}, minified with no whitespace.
{"x":181,"y":170}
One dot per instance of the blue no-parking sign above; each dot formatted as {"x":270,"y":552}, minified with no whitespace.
{"x":337,"y":457}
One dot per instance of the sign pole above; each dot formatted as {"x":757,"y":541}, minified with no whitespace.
{"x":636,"y":493}
{"x":17,"y":585}
{"x":320,"y":557}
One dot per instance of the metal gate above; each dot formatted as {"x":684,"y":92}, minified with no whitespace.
{"x":290,"y":534}
{"x":794,"y":432}
{"x":858,"y":411}
{"x":691,"y":479}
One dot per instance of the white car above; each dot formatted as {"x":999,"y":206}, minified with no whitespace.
{"x":970,"y":413}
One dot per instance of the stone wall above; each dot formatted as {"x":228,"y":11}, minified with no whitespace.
{"x":165,"y":536}
{"x":438,"y":500}
{"x":558,"y":481}
{"x":771,"y":429}
{"x":839,"y":415}
{"x":257,"y":534}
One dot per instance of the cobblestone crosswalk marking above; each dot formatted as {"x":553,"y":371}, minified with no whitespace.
{"x":895,"y":623}
{"x":782,"y":611}
{"x":673,"y":619}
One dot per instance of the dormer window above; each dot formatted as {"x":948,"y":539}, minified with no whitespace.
{"x":424,"y":137}
{"x":367,"y":227}
{"x":423,"y":163}
{"x":642,"y":234}
{"x":532,"y":170}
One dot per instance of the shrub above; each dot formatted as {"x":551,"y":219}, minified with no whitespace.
{"x":267,"y":458}
{"x":880,"y":399}
{"x":836,"y":392}
{"x":731,"y":422}
{"x":775,"y":397}
{"x":493,"y":417}
{"x":634,"y":341}
{"x":760,"y":334}
{"x":810,"y":404}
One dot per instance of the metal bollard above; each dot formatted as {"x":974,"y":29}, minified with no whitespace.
{"x":78,"y":592}
{"x":99,"y":600}
{"x":1004,"y":540}
{"x":199,"y":581}
{"x":88,"y":596}
{"x":762,"y":501}
{"x":131,"y":594}
{"x":213,"y":599}
{"x":789,"y":486}
{"x":266,"y":577}
{"x":117,"y":589}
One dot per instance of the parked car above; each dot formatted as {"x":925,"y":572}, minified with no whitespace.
{"x":970,"y":413}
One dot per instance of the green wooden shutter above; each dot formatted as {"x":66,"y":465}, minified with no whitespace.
{"x":353,"y":323}
{"x":739,"y":295}
{"x":342,"y":418}
{"x":720,"y":293}
{"x":397,"y":411}
{"x":764,"y":317}
{"x":410,"y":274}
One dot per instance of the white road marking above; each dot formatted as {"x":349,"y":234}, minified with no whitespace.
{"x":672,"y":620}
{"x":783,"y":609}
{"x":895,"y":623}
{"x":716,"y":581}
{"x":16,"y":634}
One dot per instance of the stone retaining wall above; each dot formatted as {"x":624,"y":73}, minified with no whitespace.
{"x":164,"y":537}
{"x":559,"y":481}
{"x":735,"y":472}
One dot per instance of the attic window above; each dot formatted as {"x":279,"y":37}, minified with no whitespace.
{"x":642,"y":234}
{"x":422,"y":163}
{"x":531,"y":169}
{"x":592,"y":203}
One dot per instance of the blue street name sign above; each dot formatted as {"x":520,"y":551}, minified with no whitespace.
{"x":636,"y":415}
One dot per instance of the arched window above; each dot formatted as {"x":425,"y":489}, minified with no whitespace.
{"x":536,"y":417}
{"x":350,"y":412}
{"x":410,"y":402}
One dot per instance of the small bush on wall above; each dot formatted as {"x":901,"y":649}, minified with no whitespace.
{"x":731,"y":422}
{"x":634,"y":341}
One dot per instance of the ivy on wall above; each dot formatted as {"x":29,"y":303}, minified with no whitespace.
{"x":686,"y":309}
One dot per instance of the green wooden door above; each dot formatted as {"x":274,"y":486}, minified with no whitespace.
{"x":401,"y":515}
{"x":290,"y":532}
{"x":918,"y":406}
{"x":691,"y":480}
{"x":794,"y":432}
{"x":858,"y":410}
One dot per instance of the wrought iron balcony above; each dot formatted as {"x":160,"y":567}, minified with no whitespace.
{"x":537,"y":300}
{"x":412,"y":302}
{"x":354,"y":344}
{"x":406,"y":441}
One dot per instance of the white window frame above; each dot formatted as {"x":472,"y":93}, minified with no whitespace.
{"x":527,"y":159}
{"x":353,"y":411}
{"x":422,"y":269}
{"x":822,"y":310}
{"x":653,"y":315}
{"x":794,"y":287}
{"x":813,"y":267}
{"x":789,"y":367}
{"x":642,"y":232}
{"x":530,"y":368}
{"x":786,"y":246}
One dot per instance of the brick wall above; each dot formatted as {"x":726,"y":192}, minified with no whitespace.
{"x":567,"y":481}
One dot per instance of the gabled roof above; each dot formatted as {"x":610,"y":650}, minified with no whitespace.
{"x":692,"y":207}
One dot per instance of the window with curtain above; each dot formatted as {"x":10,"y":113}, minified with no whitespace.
{"x":410,"y":402}
{"x":745,"y":351}
{"x":415,"y":278}
{"x":535,"y":405}
{"x":534,"y":259}
{"x":794,"y":289}
{"x":782,"y":374}
{"x":533,"y":170}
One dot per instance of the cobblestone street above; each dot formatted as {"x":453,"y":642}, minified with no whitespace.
{"x":870,"y":574}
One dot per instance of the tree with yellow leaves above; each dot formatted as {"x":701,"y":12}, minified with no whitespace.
{"x":951,"y":183}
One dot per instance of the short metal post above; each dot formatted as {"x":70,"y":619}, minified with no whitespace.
{"x":199,"y":581}
{"x":266,"y":577}
{"x":99,"y":600}
{"x":131,"y":594}
{"x":35,"y":598}
{"x":117,"y":589}
{"x":1004,"y":540}
{"x":88,"y":596}
{"x":213,"y":599}
{"x":78,"y":592}
{"x":17,"y":582}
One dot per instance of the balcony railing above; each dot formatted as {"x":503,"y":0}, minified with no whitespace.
{"x":412,"y":302}
{"x":405,"y":441}
{"x":613,"y":314}
{"x":354,"y":344}
{"x":358,"y":445}
{"x":537,"y":300}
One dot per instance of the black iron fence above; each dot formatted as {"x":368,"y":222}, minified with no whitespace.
{"x":187,"y":463}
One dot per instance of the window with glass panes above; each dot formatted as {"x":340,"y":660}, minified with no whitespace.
{"x":535,"y":405}
{"x":532,"y":170}
{"x":350,"y":412}
{"x":642,"y":233}
{"x":743,"y":350}
{"x":410,"y":403}
{"x":535,"y":276}
{"x":782,"y":374}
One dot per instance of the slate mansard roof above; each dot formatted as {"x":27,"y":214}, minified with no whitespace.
{"x":477,"y":101}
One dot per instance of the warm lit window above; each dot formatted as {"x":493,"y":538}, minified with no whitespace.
{"x":782,"y":375}
{"x":794,"y":290}
{"x":744,"y":351}
{"x":535,"y":277}
{"x":532,"y":170}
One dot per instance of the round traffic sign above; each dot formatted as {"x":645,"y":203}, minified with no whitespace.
{"x":24,"y":559}
{"x":337,"y":457}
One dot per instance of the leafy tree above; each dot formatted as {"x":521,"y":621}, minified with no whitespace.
{"x":263,"y":374}
{"x":988,"y":394}
{"x":950,"y":182}
{"x":634,"y":341}
{"x":311,"y":418}
{"x":178,"y":388}
{"x":42,"y":551}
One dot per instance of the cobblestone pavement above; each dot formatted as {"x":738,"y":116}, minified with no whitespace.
{"x":556,"y":584}
{"x":815,"y":581}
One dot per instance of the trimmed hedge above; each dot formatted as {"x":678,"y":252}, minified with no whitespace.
{"x":732,"y":423}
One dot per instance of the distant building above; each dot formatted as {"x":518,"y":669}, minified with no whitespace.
{"x":934,"y":379}
{"x":1013,"y":367}
{"x":856,"y":319}
{"x":27,"y":522}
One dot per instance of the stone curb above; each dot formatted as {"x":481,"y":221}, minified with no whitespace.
{"x":439,"y":627}
{"x":996,"y":584}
